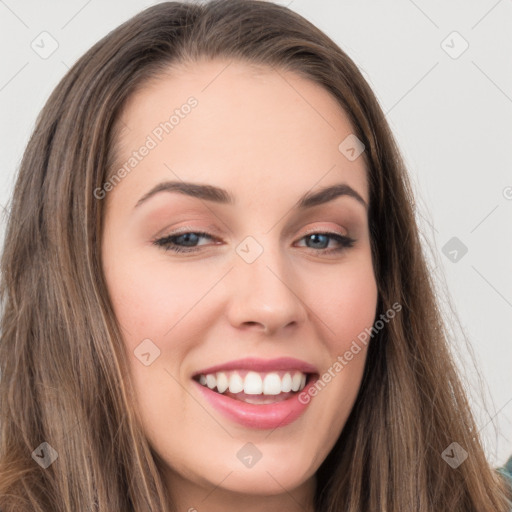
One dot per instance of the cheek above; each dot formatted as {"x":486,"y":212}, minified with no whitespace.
{"x":346,"y":309}
{"x":346,"y":303}
{"x":150,"y":297}
{"x":151,"y":303}
{"x":155,"y":301}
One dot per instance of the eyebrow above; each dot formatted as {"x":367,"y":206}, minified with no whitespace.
{"x":221,"y":196}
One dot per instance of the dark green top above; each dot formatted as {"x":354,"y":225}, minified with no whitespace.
{"x":506,"y":470}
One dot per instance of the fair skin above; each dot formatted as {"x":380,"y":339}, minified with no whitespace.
{"x":267,"y":141}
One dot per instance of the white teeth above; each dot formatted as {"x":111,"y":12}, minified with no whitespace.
{"x":286,"y":383}
{"x":271,"y":384}
{"x":236,"y":384}
{"x":255,"y":383}
{"x":222,"y":382}
{"x":296,"y":380}
{"x":211,"y":381}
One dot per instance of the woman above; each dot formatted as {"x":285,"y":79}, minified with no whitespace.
{"x":295,"y":361}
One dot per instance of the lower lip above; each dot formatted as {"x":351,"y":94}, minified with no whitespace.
{"x":264,"y":416}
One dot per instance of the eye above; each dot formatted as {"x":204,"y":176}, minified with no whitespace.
{"x":188,"y":242}
{"x":188,"y":239}
{"x":320,"y":241}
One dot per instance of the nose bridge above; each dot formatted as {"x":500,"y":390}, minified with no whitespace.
{"x":263,"y":286}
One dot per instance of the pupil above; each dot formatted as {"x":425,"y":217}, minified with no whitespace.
{"x":186,"y":238}
{"x":315,"y":239}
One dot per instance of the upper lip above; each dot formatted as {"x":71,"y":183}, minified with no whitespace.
{"x":261,"y":365}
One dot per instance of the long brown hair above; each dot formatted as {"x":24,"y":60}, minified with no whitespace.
{"x":64,"y":371}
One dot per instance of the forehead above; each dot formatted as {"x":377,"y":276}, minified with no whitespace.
{"x":252,"y":128}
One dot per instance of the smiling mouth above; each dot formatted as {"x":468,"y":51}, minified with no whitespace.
{"x":256,"y":387}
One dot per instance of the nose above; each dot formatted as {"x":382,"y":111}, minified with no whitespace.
{"x":265,"y":295}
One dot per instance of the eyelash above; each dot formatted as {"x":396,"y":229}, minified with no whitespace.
{"x":168,"y":242}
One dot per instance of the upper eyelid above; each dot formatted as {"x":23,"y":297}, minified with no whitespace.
{"x":212,"y":231}
{"x":326,"y":231}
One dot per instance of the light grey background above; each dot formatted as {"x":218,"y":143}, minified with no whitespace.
{"x":450,"y":111}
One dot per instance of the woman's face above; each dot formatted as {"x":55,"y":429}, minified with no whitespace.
{"x":264,"y":285}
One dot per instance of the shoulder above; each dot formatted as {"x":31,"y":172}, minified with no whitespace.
{"x":506,"y":471}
